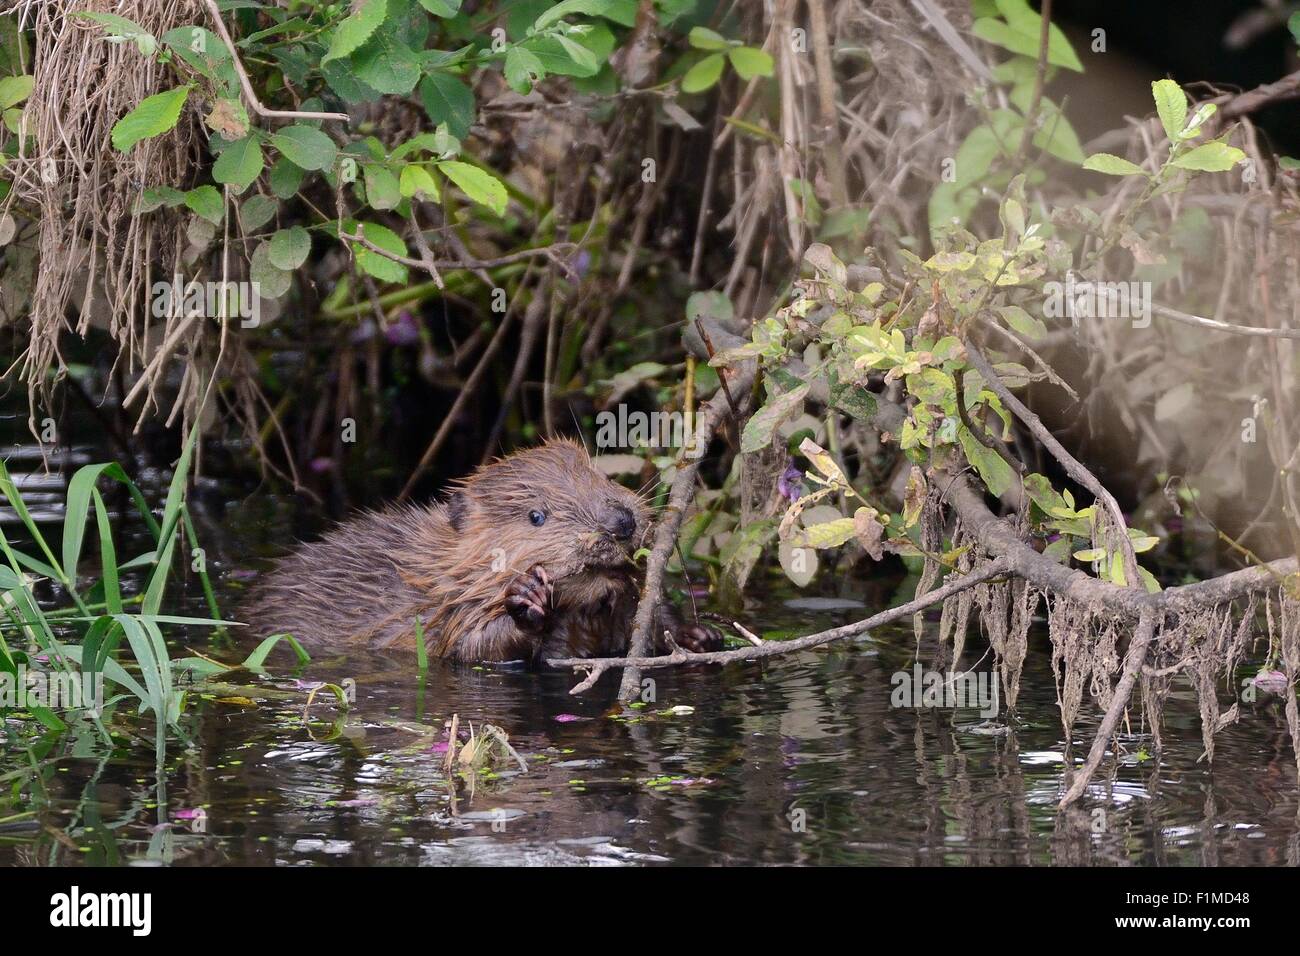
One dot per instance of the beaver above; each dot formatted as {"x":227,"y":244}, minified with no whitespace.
{"x":527,"y":559}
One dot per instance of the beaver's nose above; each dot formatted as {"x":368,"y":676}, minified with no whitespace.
{"x":620,"y":522}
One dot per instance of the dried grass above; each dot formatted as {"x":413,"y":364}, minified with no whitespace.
{"x":95,"y":256}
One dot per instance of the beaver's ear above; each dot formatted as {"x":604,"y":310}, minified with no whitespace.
{"x":458,"y":510}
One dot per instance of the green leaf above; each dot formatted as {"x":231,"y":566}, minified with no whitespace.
{"x":356,"y":28}
{"x":995,"y":472}
{"x":758,"y":430}
{"x":480,"y":186}
{"x":702,"y":38}
{"x":15,"y":89}
{"x":1056,"y":136}
{"x":579,"y":54}
{"x":122,"y":28}
{"x":1171,"y":106}
{"x":561,"y":10}
{"x":386,"y":64}
{"x":167,"y":538}
{"x":825,"y":534}
{"x":1112,"y":165}
{"x":155,"y":115}
{"x":239,"y":163}
{"x":256,"y":211}
{"x":256,"y":660}
{"x":157,"y":196}
{"x":448,"y":100}
{"x":703,"y":74}
{"x":285,"y":178}
{"x":749,"y":62}
{"x":584,"y":59}
{"x":382,"y":190}
{"x":1212,"y":157}
{"x":376,"y":265}
{"x":207,"y":202}
{"x":1025,"y":41}
{"x":270,"y":280}
{"x":522,"y":69}
{"x":288,"y":248}
{"x":442,"y":8}
{"x":416,"y":181}
{"x":1041,"y":493}
{"x":1031,"y":327}
{"x":306,"y":147}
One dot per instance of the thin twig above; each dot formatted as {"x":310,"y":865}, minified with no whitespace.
{"x":1137,"y":652}
{"x":598,"y":665}
{"x":1189,"y":319}
{"x":1073,"y":467}
{"x":247,"y":85}
{"x":432,"y":266}
{"x":1040,"y":77}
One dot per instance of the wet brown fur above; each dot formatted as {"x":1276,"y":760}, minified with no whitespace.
{"x":450,"y":564}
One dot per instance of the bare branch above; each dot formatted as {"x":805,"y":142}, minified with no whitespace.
{"x":1137,"y":652}
{"x":1189,"y":319}
{"x":599,"y":665}
{"x":1073,"y":467}
{"x":247,"y":86}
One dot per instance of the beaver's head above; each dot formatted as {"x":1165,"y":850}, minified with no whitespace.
{"x":549,"y":505}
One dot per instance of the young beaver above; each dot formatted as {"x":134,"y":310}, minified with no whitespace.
{"x":527,"y":559}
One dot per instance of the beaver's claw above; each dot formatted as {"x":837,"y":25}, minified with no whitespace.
{"x":698,"y":638}
{"x":528,"y":599}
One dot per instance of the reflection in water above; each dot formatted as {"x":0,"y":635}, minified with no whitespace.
{"x":801,"y":760}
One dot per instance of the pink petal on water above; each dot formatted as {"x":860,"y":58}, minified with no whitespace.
{"x":568,"y":718}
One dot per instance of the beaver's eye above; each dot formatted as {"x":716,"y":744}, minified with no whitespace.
{"x":537,"y":518}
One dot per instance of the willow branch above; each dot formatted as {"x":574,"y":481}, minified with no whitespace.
{"x":670,"y":522}
{"x":1073,"y":467}
{"x":955,"y":585}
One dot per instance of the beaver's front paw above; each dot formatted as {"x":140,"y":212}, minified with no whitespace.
{"x":528,"y":599}
{"x":698,"y":638}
